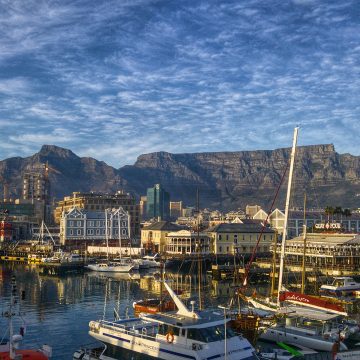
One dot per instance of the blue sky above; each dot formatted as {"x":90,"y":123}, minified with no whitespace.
{"x":115,"y":79}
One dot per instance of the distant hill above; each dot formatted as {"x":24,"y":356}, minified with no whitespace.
{"x":226,"y":180}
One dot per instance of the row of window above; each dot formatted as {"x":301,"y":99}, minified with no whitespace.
{"x":250,"y":237}
{"x":95,"y":232}
{"x":243,"y":249}
{"x":95,"y":223}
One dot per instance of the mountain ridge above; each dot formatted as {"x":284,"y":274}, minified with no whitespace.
{"x":226,"y":180}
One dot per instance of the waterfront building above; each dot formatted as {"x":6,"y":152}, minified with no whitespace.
{"x":153,"y":237}
{"x":99,"y":202}
{"x":313,"y":217}
{"x":230,"y":238}
{"x":188,"y":211}
{"x":186,"y":242}
{"x":234,"y":215}
{"x":158,"y":203}
{"x":175,"y":209}
{"x":327,"y":252}
{"x":82,"y":227}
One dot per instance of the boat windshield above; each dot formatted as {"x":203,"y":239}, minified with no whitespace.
{"x":210,"y":334}
{"x":338,"y":282}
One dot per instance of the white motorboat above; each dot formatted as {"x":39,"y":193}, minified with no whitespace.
{"x":150,"y":262}
{"x":341,"y":286}
{"x":110,"y":267}
{"x":314,"y":329}
{"x":177,"y":335}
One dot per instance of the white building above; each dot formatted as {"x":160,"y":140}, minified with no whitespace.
{"x":185,"y":242}
{"x":82,"y":226}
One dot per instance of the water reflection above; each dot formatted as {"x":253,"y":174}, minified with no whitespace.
{"x":57,"y":309}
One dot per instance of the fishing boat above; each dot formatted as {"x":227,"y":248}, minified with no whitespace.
{"x":172,"y":336}
{"x":9,"y":348}
{"x":341,"y":286}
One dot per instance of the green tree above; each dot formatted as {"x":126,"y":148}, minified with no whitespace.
{"x":338,"y":212}
{"x":347,"y":213}
{"x":329,"y":210}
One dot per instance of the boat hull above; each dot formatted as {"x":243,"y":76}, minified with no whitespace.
{"x":118,"y":269}
{"x":273,"y":334}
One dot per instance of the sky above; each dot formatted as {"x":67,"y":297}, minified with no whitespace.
{"x":116,"y":79}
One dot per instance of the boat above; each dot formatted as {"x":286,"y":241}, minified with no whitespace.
{"x":9,"y":348}
{"x":63,"y":257}
{"x":153,"y":306}
{"x":316,"y":330}
{"x":184,"y":334}
{"x":150,"y":261}
{"x":341,"y":286}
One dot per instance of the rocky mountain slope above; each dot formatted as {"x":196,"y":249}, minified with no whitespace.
{"x":227,"y":180}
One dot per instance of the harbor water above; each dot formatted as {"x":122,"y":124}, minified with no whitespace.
{"x":57,"y":309}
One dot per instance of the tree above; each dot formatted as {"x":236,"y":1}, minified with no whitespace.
{"x":347,"y":213}
{"x":338,"y":211}
{"x":329,"y":210}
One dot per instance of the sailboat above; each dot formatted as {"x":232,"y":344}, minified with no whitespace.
{"x":121,"y":265}
{"x":9,"y":348}
{"x":318,"y":330}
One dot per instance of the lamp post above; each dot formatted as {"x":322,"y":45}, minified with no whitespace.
{"x":225,"y":342}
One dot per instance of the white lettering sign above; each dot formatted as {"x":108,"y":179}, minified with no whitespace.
{"x":328,"y":226}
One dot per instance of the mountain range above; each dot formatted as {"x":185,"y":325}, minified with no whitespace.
{"x":226,"y":180}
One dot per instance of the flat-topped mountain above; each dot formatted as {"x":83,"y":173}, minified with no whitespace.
{"x":226,"y":180}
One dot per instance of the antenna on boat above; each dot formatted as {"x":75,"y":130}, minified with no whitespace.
{"x":282,"y":255}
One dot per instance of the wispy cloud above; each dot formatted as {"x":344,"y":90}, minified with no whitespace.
{"x":116,"y":79}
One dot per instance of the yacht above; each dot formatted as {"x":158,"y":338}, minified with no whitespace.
{"x":172,"y":336}
{"x":150,"y":261}
{"x":109,"y":266}
{"x":314,"y":329}
{"x":341,"y":286}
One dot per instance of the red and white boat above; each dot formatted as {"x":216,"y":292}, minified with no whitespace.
{"x":312,"y":302}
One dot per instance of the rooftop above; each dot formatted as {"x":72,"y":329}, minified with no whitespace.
{"x":164,"y":226}
{"x":246,"y":227}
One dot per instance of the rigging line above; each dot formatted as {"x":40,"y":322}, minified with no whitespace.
{"x":247,"y":270}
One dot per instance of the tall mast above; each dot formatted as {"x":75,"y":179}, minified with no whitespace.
{"x":304,"y":250}
{"x":119,"y":219}
{"x":282,"y":254}
{"x":106,"y":235}
{"x":199,"y":247}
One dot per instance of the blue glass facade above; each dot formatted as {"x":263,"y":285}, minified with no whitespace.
{"x":158,"y":203}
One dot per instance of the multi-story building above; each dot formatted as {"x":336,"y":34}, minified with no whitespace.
{"x":142,"y":207}
{"x":230,"y":238}
{"x":100,"y":202}
{"x":36,"y":190}
{"x":153,"y":237}
{"x":296,"y":221}
{"x":186,"y":242}
{"x":83,"y":227}
{"x":175,"y":209}
{"x":158,"y":203}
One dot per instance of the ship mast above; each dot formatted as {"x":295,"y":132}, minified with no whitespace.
{"x":282,"y":254}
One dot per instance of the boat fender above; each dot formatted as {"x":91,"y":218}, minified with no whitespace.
{"x":170,"y":337}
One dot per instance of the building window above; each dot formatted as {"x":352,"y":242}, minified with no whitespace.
{"x":71,"y":223}
{"x":235,"y":239}
{"x":227,"y":249}
{"x":97,"y":231}
{"x":227,"y":236}
{"x":79,"y":232}
{"x":220,"y":249}
{"x":78,"y":223}
{"x":219,"y":238}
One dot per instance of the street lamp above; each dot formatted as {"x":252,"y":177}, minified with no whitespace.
{"x":225,"y":344}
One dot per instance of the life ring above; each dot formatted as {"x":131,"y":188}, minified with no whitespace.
{"x":170,"y":337}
